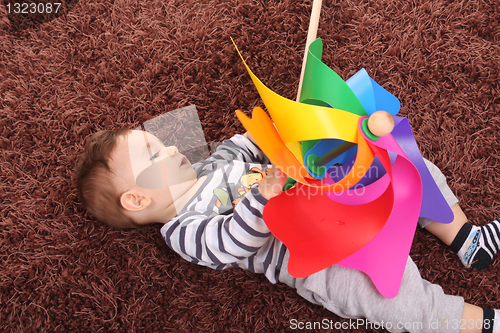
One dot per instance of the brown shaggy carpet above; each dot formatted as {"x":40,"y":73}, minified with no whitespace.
{"x":117,"y":63}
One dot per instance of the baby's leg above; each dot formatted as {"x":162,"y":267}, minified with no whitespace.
{"x":448,"y":232}
{"x":475,"y":246}
{"x":476,"y":319}
{"x":419,"y":306}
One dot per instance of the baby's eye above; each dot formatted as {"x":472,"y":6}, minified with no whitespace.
{"x":155,"y":155}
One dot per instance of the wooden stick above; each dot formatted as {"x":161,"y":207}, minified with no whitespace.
{"x":334,"y":153}
{"x":311,"y":36}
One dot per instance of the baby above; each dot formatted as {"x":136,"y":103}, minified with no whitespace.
{"x":211,"y":213}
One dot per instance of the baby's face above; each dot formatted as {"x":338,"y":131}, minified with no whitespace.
{"x":155,"y":166}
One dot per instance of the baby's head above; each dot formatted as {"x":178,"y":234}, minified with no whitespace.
{"x":107,"y":172}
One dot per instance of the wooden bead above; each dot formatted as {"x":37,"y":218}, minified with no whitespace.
{"x":381,"y":123}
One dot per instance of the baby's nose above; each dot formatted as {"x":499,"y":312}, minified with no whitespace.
{"x":172,"y":150}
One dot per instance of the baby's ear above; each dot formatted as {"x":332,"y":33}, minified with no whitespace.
{"x":133,"y":201}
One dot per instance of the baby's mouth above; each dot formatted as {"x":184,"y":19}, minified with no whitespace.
{"x":184,"y":161}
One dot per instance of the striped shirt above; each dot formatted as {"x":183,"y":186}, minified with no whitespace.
{"x":222,"y":225}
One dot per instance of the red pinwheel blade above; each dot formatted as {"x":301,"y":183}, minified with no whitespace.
{"x":320,"y":232}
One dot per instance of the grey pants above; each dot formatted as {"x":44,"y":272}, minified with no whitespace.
{"x":419,"y":306}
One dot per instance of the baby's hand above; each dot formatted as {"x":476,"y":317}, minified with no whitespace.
{"x":272,"y":185}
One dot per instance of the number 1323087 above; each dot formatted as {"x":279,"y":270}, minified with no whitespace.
{"x":33,"y":8}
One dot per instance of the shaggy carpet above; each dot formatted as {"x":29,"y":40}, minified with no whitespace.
{"x":117,"y":63}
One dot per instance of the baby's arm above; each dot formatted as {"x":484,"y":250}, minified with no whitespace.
{"x":275,"y":179}
{"x":225,"y":239}
{"x":241,"y":147}
{"x":220,"y":239}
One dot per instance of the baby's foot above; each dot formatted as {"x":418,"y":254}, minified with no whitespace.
{"x":476,"y":246}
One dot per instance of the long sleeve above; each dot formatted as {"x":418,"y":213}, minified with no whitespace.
{"x":222,"y":225}
{"x":238,"y":148}
{"x":221,"y":239}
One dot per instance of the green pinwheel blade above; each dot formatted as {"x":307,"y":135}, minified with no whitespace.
{"x":322,"y":86}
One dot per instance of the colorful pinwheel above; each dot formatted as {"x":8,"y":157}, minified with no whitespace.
{"x":358,"y":196}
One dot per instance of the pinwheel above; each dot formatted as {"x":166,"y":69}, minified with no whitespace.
{"x":361,"y":182}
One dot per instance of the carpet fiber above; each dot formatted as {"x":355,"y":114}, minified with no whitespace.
{"x":111,"y":64}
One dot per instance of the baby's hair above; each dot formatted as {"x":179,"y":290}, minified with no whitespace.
{"x":96,"y":183}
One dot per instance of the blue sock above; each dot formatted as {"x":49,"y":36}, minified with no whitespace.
{"x":476,"y":246}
